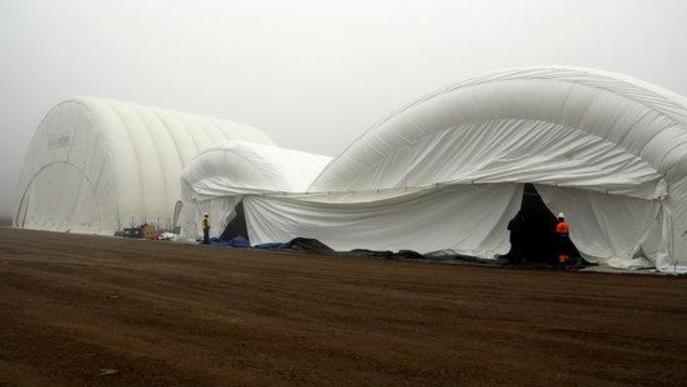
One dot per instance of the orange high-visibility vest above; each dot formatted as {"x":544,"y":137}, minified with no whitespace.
{"x":562,"y":228}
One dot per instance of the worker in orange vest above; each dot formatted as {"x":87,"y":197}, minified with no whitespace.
{"x":206,"y":229}
{"x":563,"y":231}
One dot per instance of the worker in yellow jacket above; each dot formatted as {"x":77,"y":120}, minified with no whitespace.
{"x":206,"y":229}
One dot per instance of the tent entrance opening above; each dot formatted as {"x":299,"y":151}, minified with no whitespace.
{"x":533,"y":234}
{"x":237,"y":225}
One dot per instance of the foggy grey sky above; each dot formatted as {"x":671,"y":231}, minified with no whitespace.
{"x":312,"y":74}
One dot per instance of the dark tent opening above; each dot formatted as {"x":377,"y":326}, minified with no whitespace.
{"x":237,"y":226}
{"x":533,"y":234}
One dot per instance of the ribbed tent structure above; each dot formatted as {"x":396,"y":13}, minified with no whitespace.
{"x":96,"y":165}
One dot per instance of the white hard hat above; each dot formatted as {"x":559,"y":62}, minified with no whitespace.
{"x":205,"y":214}
{"x":561,"y":215}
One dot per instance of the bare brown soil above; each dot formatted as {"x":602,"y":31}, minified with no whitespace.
{"x":82,"y":310}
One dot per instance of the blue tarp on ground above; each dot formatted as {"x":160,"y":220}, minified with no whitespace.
{"x":271,"y":246}
{"x":233,"y":242}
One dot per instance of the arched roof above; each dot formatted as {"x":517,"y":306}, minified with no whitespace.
{"x":236,"y":167}
{"x":546,"y":115}
{"x":217,"y":179}
{"x":127,"y":157}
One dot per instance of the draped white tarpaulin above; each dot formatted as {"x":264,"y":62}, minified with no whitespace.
{"x":609,"y":226}
{"x":451,"y":219}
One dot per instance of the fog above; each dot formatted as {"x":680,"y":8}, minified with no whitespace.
{"x":311,"y":74}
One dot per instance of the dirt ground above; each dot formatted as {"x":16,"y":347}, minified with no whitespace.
{"x":83,"y":310}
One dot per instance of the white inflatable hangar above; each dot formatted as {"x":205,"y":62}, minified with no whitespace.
{"x":97,"y":165}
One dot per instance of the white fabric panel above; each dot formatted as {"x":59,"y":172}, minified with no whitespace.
{"x":128,"y":157}
{"x":200,"y":137}
{"x":674,"y":232}
{"x":216,"y":178}
{"x":605,"y":227}
{"x":463,"y":219}
{"x":61,"y":198}
{"x":183,"y":141}
{"x":167,"y":159}
{"x":122,"y":160}
{"x":152,"y":200}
